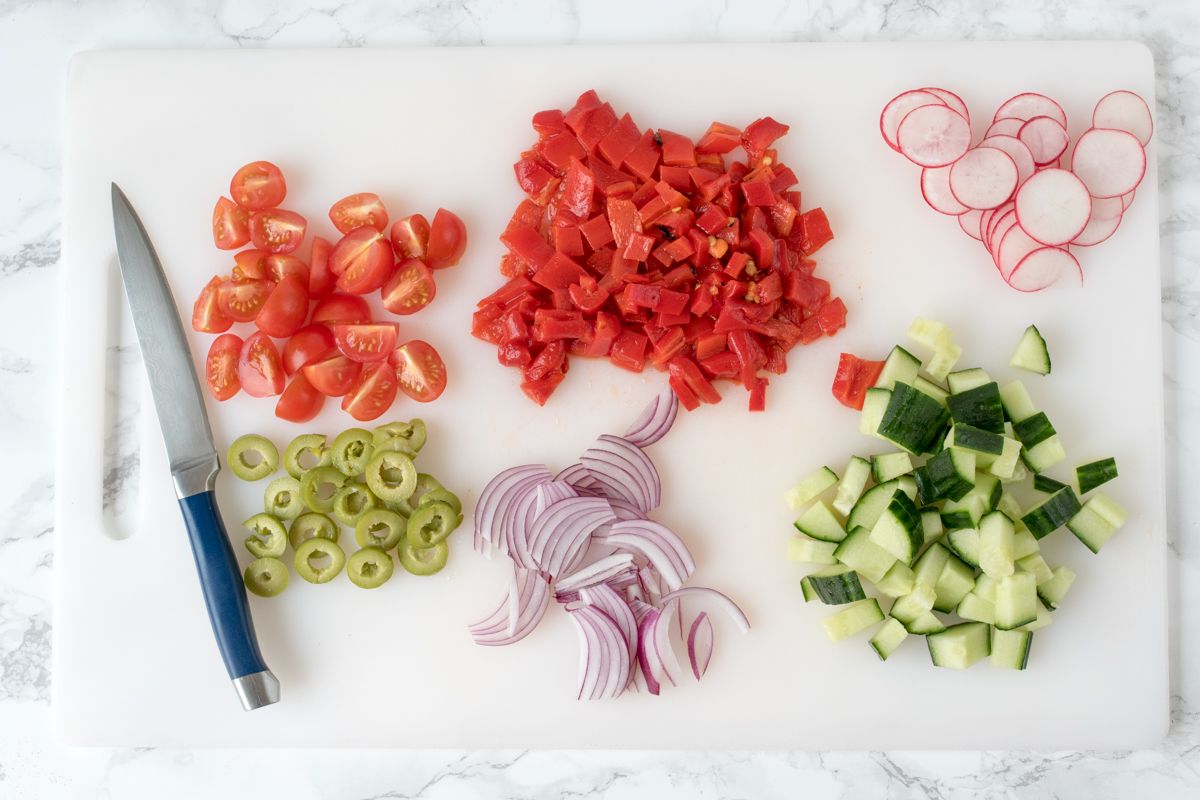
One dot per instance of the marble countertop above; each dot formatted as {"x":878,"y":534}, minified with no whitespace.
{"x":37,"y":37}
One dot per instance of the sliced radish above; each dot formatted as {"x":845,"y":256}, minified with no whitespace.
{"x":1053,"y":206}
{"x":951,"y":99}
{"x":1105,"y":208}
{"x":1042,"y":268}
{"x":1045,"y":138}
{"x":1029,"y":105}
{"x":1001,"y":229}
{"x":935,"y":188}
{"x":1005,"y":126}
{"x":897,"y":109}
{"x":1124,"y":111}
{"x":983,"y":178}
{"x":1127,"y":200}
{"x":999,"y":217}
{"x":1014,"y":246}
{"x":1016,"y":150}
{"x":1109,"y":162}
{"x":1097,"y":230}
{"x":969,"y":222}
{"x":933,"y":136}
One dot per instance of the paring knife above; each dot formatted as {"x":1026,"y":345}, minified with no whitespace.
{"x":193,"y":458}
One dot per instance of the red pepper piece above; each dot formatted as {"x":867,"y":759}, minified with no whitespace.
{"x":629,"y":351}
{"x":639,"y":247}
{"x":758,"y":394}
{"x":760,"y":134}
{"x":513,"y":354}
{"x":531,"y":176}
{"x":677,"y":177}
{"x":817,"y":232}
{"x":719,"y":138}
{"x":832,"y":316}
{"x":558,"y":150}
{"x":784,"y":178}
{"x":549,"y":122}
{"x":579,"y":112}
{"x":514,"y":288}
{"x":569,"y":241}
{"x":758,"y":192}
{"x":722,"y":365}
{"x":611,"y":182}
{"x":558,"y":272}
{"x":762,"y":247}
{"x":852,"y":379}
{"x":578,"y":188}
{"x":619,"y":142}
{"x":644,"y":157}
{"x":597,"y":232}
{"x":624,"y":219}
{"x":596,"y":126}
{"x":528,"y":244}
{"x":810,"y":330}
{"x":686,"y":369}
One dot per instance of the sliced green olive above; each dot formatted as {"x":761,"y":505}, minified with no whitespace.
{"x":307,"y":451}
{"x":252,"y":457}
{"x":310,"y":526}
{"x":392,"y":476}
{"x":352,"y":450}
{"x":351,"y":502}
{"x":380,"y":528}
{"x":442,"y":495}
{"x":422,"y":561}
{"x":400,"y":506}
{"x":283,"y":498}
{"x":370,"y":568}
{"x":407,"y":437}
{"x":267,"y":538}
{"x":319,"y":486}
{"x":426,"y":483}
{"x":431,"y":523}
{"x":319,"y":560}
{"x":266,"y":577}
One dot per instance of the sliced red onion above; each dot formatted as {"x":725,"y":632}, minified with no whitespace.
{"x":648,"y":661}
{"x":519,"y":612}
{"x":496,"y":501}
{"x":596,"y":572}
{"x":658,"y":544}
{"x":605,"y":661}
{"x":672,"y":671}
{"x":655,"y":420}
{"x":552,"y":492}
{"x":562,"y":532}
{"x":606,"y":599}
{"x":516,"y":525}
{"x":624,"y":472}
{"x":730,"y":607}
{"x":651,"y":583}
{"x":623,"y":509}
{"x":700,"y":644}
{"x":578,"y":476}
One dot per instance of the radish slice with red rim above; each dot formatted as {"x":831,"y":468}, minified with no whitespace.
{"x":935,"y":188}
{"x":999,"y":232}
{"x":1054,"y":206}
{"x":969,"y":222}
{"x":1123,"y":110}
{"x":898,"y":107}
{"x":951,"y":99}
{"x":933,"y":136}
{"x":655,"y":420}
{"x":1109,"y":162}
{"x":983,"y":178}
{"x":1014,"y":246}
{"x":1098,"y":229}
{"x":1043,"y":268}
{"x":999,"y":216}
{"x":1104,"y":208}
{"x":1028,"y":105}
{"x":1017,"y":151}
{"x":700,"y":644}
{"x":1045,"y":138}
{"x":1006,"y":126}
{"x":1127,"y":200}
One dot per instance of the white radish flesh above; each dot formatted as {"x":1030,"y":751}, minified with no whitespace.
{"x":1045,"y":138}
{"x":935,"y":188}
{"x":897,"y":109}
{"x":969,"y":222}
{"x":1029,"y":105}
{"x":1006,"y":126}
{"x":1127,"y":200}
{"x":1109,"y":162}
{"x":1014,"y":246}
{"x":983,"y":178}
{"x":1104,"y":208}
{"x":1042,"y":268}
{"x":1000,"y":216}
{"x":1124,"y":111}
{"x":951,"y":99}
{"x":998,"y":233}
{"x":1097,"y":231}
{"x":1053,"y":206}
{"x":933,"y":136}
{"x":1016,"y":150}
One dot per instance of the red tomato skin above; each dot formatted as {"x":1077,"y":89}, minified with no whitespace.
{"x":332,"y":376}
{"x":362,"y":260}
{"x":321,"y":281}
{"x":310,"y":343}
{"x":207,"y":314}
{"x":357,"y":210}
{"x":242,"y":300}
{"x":420,"y":370}
{"x":411,"y":288}
{"x":447,"y":240}
{"x":279,"y":267}
{"x":341,"y":308}
{"x":366,"y":343}
{"x":277,"y":230}
{"x":221,"y":366}
{"x":231,"y":225}
{"x":374,"y":393}
{"x":300,"y":402}
{"x":250,"y":265}
{"x":410,"y":237}
{"x":285,"y":309}
{"x":259,"y":367}
{"x":258,"y":186}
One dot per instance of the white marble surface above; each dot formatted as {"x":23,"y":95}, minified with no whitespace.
{"x":36,"y":39}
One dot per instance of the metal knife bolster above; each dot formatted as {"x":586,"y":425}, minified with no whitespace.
{"x":196,"y":476}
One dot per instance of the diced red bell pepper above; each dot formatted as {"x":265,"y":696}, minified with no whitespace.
{"x":675,"y":224}
{"x":770,"y":288}
{"x":639,"y":246}
{"x":852,"y":379}
{"x":620,"y":141}
{"x":528,"y":244}
{"x":549,"y":359}
{"x":710,"y":191}
{"x":683,"y":367}
{"x":680,"y":250}
{"x":652,"y":209}
{"x":578,"y":113}
{"x":532,"y":177}
{"x":667,"y":347}
{"x":656,"y":298}
{"x":724,"y":364}
{"x":832,"y":316}
{"x":687,"y":398}
{"x":596,"y":126}
{"x":805,"y":291}
{"x":758,"y":394}
{"x":487,"y":325}
{"x":642,"y":160}
{"x":568,"y":241}
{"x":678,"y":177}
{"x":514,"y":288}
{"x":711,"y":344}
{"x":611,"y":182}
{"x":762,"y":247}
{"x":512,"y":267}
{"x":810,"y":330}
{"x":712,"y":220}
{"x":539,"y":391}
{"x":629,"y":351}
{"x":719,"y":138}
{"x":671,"y":320}
{"x":597,"y":232}
{"x":624,"y":219}
{"x":702,"y":299}
{"x":558,"y":150}
{"x":784,"y":178}
{"x":737,"y":264}
{"x":677,"y":149}
{"x":587,"y":295}
{"x":578,"y":188}
{"x":817,"y":232}
{"x":558,"y":272}
{"x":776,"y":359}
{"x":513,"y":354}
{"x":515,"y":327}
{"x":758,"y":193}
{"x":548,"y":122}
{"x":528,"y":214}
{"x":602,"y":335}
{"x":761,"y":134}
{"x":783,"y":216}
{"x":749,"y":352}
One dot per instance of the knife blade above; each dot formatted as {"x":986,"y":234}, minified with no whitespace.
{"x":192,"y":455}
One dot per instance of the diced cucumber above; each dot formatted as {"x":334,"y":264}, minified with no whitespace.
{"x":926,"y":624}
{"x":1033,"y":430}
{"x":1095,"y":473}
{"x":985,"y":587}
{"x":1052,"y":513}
{"x":900,"y":365}
{"x":1016,"y":601}
{"x":889,"y":636}
{"x":1054,"y":590}
{"x":930,"y":388}
{"x":1024,"y":542}
{"x":1005,"y":464}
{"x":931,"y":333}
{"x":989,"y":490}
{"x":956,"y":580}
{"x":898,"y":529}
{"x":964,"y":543}
{"x":1097,"y":521}
{"x":908,"y":485}
{"x":979,"y":407}
{"x":1031,"y":353}
{"x":913,"y":420}
{"x":820,"y":523}
{"x":964,"y":380}
{"x":1016,"y":401}
{"x":1037,"y":566}
{"x":931,"y":525}
{"x":1010,"y":648}
{"x":981,"y":442}
{"x":1009,"y":505}
{"x":960,"y":646}
{"x":942,"y":361}
{"x":852,"y":619}
{"x":810,"y":488}
{"x":1109,"y":509}
{"x":890,"y":465}
{"x":964,"y":513}
{"x":854,"y":481}
{"x":875,"y":403}
{"x":870,"y":506}
{"x":996,"y":545}
{"x":860,"y":554}
{"x":914,"y":604}
{"x":975,"y":608}
{"x":1044,"y":455}
{"x":811,"y":551}
{"x":929,"y":566}
{"x":1047,"y":485}
{"x":1041,"y":620}
{"x":950,"y":474}
{"x":833,"y":586}
{"x":1019,"y":473}
{"x":898,"y":581}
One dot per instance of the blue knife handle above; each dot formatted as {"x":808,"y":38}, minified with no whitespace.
{"x":224,"y":593}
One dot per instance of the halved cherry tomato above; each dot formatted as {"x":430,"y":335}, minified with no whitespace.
{"x":410,"y":237}
{"x":286,"y":307}
{"x":320,"y":279}
{"x":341,"y":308}
{"x":280,"y":266}
{"x":277,"y":230}
{"x":358,"y":210}
{"x":410,"y":288}
{"x":374,"y":393}
{"x":221,"y":366}
{"x":250,"y":265}
{"x":333,"y":376}
{"x":420,"y":370}
{"x":362,"y":260}
{"x":242,"y":300}
{"x":258,"y":186}
{"x":310,"y":343}
{"x":207,"y":314}
{"x":259,"y":368}
{"x":299,"y":402}
{"x":447,"y":240}
{"x":231,"y":225}
{"x":372,"y":342}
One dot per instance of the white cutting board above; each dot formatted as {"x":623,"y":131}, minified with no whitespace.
{"x":135,"y":662}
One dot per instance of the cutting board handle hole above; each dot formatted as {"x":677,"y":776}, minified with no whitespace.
{"x":124,"y":379}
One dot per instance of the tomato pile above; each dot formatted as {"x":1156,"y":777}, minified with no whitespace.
{"x":644,"y":246}
{"x":337,"y":350}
